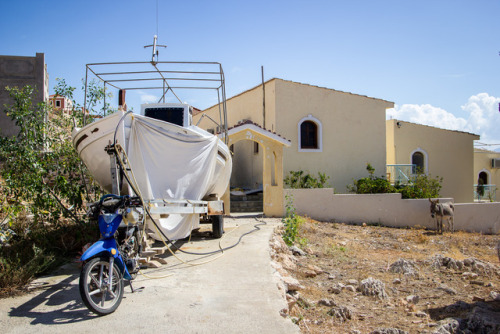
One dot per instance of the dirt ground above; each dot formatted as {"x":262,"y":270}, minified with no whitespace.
{"x":373,"y":279}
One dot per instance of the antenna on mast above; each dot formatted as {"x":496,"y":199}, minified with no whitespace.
{"x":154,"y":57}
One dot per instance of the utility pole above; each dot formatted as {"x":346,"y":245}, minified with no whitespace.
{"x":263,"y":99}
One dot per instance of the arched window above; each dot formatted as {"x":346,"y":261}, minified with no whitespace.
{"x":483,"y":176}
{"x":420,"y":160}
{"x":310,"y":135}
{"x":417,"y":159}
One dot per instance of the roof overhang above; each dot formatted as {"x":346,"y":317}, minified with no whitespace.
{"x":255,"y":128}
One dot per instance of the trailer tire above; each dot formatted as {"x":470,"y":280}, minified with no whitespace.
{"x":217,"y":226}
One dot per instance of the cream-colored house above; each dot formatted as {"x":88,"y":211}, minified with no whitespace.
{"x":486,"y":169}
{"x":330,"y":131}
{"x":444,"y":153}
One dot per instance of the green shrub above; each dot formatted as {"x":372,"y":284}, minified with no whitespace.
{"x":39,"y":250}
{"x":421,"y":186}
{"x":292,"y":223}
{"x":372,"y":184}
{"x":376,"y":185}
{"x":300,"y":180}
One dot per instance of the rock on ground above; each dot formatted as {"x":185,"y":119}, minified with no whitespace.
{"x":373,"y":287}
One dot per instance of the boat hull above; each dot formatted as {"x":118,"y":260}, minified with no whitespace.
{"x":90,"y":143}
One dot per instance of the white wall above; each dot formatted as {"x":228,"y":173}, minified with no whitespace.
{"x":390,"y":210}
{"x":478,"y":217}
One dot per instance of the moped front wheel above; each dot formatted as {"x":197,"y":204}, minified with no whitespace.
{"x":100,"y":294}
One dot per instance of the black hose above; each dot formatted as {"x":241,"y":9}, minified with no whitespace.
{"x":256,"y":228}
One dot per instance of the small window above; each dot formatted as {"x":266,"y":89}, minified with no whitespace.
{"x":418,"y":160}
{"x":58,"y":103}
{"x":255,"y":147}
{"x":310,"y":135}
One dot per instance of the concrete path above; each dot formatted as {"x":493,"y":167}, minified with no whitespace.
{"x":235,"y":293}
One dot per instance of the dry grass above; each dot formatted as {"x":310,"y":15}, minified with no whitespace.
{"x":347,"y":252}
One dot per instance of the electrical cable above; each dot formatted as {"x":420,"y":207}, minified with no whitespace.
{"x":117,"y":147}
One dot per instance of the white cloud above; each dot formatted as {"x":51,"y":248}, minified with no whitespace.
{"x":428,"y":115}
{"x":483,"y":116}
{"x":148,"y":98}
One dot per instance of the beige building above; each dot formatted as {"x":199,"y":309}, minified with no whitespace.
{"x":486,"y":169}
{"x":331,"y":132}
{"x":437,"y":152}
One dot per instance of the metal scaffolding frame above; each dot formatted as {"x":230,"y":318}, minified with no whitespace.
{"x":163,"y":76}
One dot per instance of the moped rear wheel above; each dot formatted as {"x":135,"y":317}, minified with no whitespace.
{"x":95,"y":289}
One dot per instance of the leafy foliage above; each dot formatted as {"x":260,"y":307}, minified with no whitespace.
{"x":43,"y":188}
{"x":292,"y":222}
{"x":372,"y":184}
{"x":40,"y":166}
{"x":422,"y":186}
{"x":480,"y":188}
{"x":299,"y":179}
{"x":96,"y":97}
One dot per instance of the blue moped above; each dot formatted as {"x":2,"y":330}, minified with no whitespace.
{"x":115,"y":257}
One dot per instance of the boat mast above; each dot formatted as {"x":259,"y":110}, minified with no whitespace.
{"x":154,"y":57}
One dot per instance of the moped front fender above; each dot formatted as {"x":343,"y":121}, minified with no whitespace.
{"x":101,"y":246}
{"x":104,"y":246}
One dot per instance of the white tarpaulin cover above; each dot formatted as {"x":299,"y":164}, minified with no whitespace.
{"x":169,"y":162}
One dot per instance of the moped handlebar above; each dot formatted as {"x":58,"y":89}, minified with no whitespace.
{"x":110,"y":203}
{"x":113,"y":202}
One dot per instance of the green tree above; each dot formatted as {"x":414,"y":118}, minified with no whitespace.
{"x":480,"y":188}
{"x":96,"y":97}
{"x":40,"y":165}
{"x":43,"y":188}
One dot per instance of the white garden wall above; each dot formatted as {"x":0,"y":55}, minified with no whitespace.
{"x":478,"y":217}
{"x":389,"y":210}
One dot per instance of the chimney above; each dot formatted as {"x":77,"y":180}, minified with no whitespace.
{"x":121,"y":100}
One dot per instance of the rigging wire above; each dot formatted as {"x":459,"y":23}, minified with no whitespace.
{"x":485,"y":144}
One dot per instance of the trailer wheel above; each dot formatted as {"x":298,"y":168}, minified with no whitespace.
{"x":217,"y":226}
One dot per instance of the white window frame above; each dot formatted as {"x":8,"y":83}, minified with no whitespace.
{"x":320,"y":134}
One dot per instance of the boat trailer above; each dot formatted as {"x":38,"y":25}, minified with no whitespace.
{"x":210,"y":211}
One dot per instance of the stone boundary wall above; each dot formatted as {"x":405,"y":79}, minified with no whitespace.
{"x":390,"y":210}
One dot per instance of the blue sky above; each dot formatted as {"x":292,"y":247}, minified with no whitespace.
{"x":438,"y":61}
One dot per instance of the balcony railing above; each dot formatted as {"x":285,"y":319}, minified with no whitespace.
{"x":485,"y":193}
{"x":401,"y":174}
